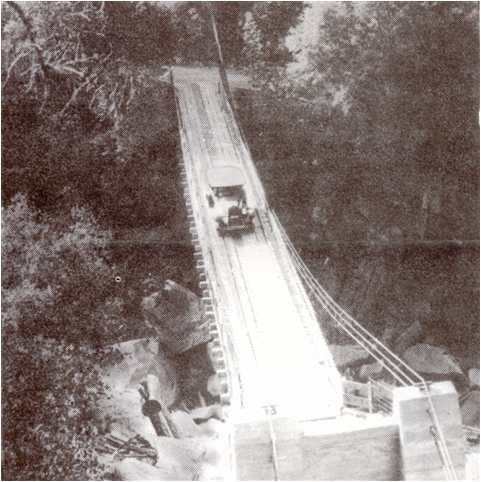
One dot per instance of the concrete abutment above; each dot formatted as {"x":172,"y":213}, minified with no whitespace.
{"x":364,"y":447}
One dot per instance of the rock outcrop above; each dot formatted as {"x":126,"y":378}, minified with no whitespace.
{"x":348,"y":356}
{"x":409,"y":337}
{"x":177,"y":316}
{"x":372,"y":370}
{"x":432,"y":361}
{"x":143,"y":360}
{"x":473,"y":375}
{"x":153,"y":378}
{"x":193,"y":451}
{"x":470,"y":409}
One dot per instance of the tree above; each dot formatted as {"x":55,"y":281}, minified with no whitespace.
{"x":69,"y":104}
{"x":406,"y":77}
{"x":52,"y":273}
{"x":139,"y":32}
{"x":58,"y":314}
{"x":273,"y":20}
{"x":65,"y":141}
{"x":265,"y":31}
{"x":49,"y":395}
{"x":195,"y":41}
{"x":61,"y":91}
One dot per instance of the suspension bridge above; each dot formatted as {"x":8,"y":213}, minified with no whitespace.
{"x":283,"y":394}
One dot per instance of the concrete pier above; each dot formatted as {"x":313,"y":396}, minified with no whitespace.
{"x":420,"y":452}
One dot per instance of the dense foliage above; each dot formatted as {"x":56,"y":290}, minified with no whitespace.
{"x":88,"y":144}
{"x":385,"y":122}
{"x":368,"y":146}
{"x":49,"y":393}
{"x":251,"y":33}
{"x":57,"y":314}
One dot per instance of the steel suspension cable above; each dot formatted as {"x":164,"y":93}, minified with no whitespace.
{"x":336,"y":312}
{"x":325,"y":299}
{"x":371,"y":344}
{"x":340,"y":310}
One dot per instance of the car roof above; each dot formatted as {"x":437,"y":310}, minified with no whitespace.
{"x":225,"y":176}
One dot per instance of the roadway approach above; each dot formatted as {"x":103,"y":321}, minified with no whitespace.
{"x":276,"y":355}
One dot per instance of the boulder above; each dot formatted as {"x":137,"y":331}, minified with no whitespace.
{"x":202,"y":414}
{"x":142,"y":358}
{"x":120,"y":411}
{"x":211,"y":427}
{"x":388,"y":335}
{"x":372,"y":370}
{"x":473,"y":375}
{"x":134,"y":469}
{"x":177,"y":316}
{"x":348,"y":355}
{"x":188,"y":454}
{"x":210,"y":472}
{"x":185,"y":425}
{"x":467,"y":360}
{"x":432,"y":361}
{"x":412,"y":335}
{"x":470,"y":409}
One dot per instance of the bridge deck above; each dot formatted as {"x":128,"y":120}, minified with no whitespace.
{"x":277,"y":353}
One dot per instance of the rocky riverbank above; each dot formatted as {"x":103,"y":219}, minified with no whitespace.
{"x":390,"y":289}
{"x":182,"y":443}
{"x":433,"y":363}
{"x":160,"y":418}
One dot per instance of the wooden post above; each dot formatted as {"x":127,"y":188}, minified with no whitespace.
{"x":369,"y":396}
{"x":168,"y":420}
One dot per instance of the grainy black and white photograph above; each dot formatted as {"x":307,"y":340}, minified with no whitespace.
{"x":240,"y":240}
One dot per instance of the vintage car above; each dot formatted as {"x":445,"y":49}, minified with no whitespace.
{"x":227,"y":184}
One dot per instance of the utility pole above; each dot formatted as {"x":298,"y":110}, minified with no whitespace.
{"x":222,"y":71}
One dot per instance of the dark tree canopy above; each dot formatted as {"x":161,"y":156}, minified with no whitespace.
{"x":396,"y":90}
{"x":77,"y":143}
{"x":140,"y":32}
{"x":272,"y":20}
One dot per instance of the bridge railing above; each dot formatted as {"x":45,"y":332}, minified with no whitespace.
{"x":373,"y":396}
{"x":219,"y":328}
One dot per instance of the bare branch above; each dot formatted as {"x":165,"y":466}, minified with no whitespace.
{"x":19,"y":57}
{"x":34,"y":71}
{"x":74,"y":96}
{"x":77,"y":47}
{"x":30,"y":32}
{"x":131,"y":90}
{"x":65,"y":70}
{"x":80,"y":14}
{"x":46,"y":91}
{"x":89,"y":79}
